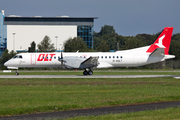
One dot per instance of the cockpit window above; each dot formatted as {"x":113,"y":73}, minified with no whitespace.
{"x":15,"y":56}
{"x":18,"y":56}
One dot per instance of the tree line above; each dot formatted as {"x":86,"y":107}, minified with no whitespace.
{"x":105,"y":40}
{"x":109,"y":38}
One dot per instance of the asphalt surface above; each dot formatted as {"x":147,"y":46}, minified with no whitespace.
{"x":88,"y":76}
{"x":95,"y":111}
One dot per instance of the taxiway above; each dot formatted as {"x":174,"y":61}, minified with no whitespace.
{"x":88,"y":76}
{"x":95,"y":111}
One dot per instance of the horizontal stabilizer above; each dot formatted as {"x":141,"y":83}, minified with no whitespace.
{"x":158,"y":52}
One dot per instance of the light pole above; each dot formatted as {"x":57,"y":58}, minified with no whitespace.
{"x":117,"y":46}
{"x":14,"y":41}
{"x":56,"y":41}
{"x":60,"y":48}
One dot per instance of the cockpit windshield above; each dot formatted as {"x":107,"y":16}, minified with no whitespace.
{"x":15,"y":56}
{"x":18,"y":56}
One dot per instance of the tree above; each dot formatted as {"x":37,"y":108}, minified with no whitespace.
{"x":174,"y":46}
{"x":32,"y":48}
{"x":75,"y":44}
{"x":103,"y":47}
{"x":176,"y":37}
{"x":5,"y":57}
{"x":121,"y":40}
{"x":107,"y":30}
{"x":45,"y":45}
{"x":175,"y":49}
{"x":96,"y":42}
{"x":133,"y":42}
{"x":146,"y":38}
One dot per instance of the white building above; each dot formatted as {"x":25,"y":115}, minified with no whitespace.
{"x":17,"y":33}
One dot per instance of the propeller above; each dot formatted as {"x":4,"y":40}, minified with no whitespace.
{"x":61,"y":59}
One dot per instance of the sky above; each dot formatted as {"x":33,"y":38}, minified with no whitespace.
{"x":128,"y":17}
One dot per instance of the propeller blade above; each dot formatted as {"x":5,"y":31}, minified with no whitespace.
{"x":61,"y":59}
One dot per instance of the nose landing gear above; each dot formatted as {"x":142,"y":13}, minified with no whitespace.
{"x":16,"y":72}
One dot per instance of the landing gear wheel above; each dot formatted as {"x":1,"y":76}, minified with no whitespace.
{"x":90,"y":72}
{"x":17,"y":73}
{"x":85,"y":72}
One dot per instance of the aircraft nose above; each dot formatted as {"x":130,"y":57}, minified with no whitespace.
{"x":6,"y":63}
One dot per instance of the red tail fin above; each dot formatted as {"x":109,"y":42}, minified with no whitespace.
{"x":163,"y":41}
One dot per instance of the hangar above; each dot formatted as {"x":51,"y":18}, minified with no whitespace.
{"x":17,"y":33}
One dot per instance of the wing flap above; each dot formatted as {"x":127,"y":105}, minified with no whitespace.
{"x":73,"y":62}
{"x":90,"y":61}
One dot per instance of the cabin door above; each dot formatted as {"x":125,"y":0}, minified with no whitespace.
{"x":33,"y":59}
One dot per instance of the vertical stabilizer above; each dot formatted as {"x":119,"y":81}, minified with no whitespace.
{"x":163,"y":41}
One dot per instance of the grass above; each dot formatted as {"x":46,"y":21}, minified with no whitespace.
{"x":161,"y":114}
{"x":24,"y":96}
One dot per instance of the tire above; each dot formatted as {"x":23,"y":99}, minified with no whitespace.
{"x":17,"y":73}
{"x":85,"y":73}
{"x":90,"y":72}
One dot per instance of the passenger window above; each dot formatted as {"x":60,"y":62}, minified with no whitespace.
{"x":105,"y":56}
{"x":113,"y":56}
{"x":54,"y":57}
{"x":117,"y":57}
{"x":121,"y":56}
{"x":110,"y":57}
{"x":102,"y":57}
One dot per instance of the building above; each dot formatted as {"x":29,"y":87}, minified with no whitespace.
{"x":17,"y":33}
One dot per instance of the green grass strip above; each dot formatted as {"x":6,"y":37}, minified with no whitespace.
{"x":24,"y":96}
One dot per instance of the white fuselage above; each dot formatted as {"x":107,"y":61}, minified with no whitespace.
{"x":127,"y":58}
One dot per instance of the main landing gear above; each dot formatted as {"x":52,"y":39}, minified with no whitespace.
{"x":16,"y":72}
{"x":88,"y":72}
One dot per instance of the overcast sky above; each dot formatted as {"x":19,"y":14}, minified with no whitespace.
{"x":129,"y":17}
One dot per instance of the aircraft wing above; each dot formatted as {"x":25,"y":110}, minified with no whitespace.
{"x":91,"y":61}
{"x":158,"y":52}
{"x":72,"y":62}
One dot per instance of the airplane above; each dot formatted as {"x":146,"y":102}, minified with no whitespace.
{"x":156,"y":52}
